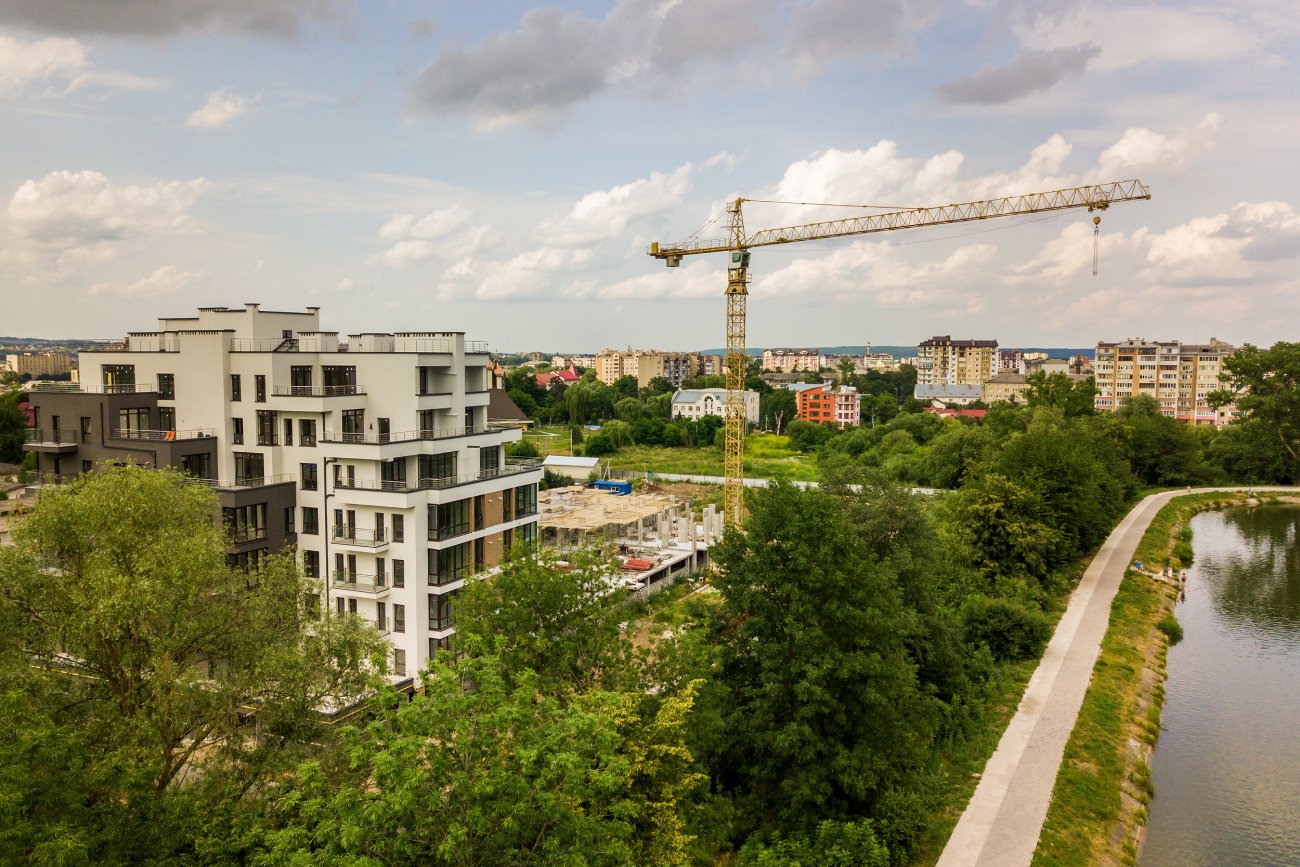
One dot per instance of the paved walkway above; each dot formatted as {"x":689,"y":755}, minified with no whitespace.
{"x":1004,"y":818}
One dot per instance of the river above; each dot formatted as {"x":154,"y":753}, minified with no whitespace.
{"x":1227,"y":768}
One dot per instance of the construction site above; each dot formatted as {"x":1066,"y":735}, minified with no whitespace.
{"x":654,"y":535}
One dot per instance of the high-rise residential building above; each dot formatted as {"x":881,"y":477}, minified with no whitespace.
{"x":38,"y":363}
{"x":1180,"y":376}
{"x":792,"y":360}
{"x":373,"y":455}
{"x":647,"y":364}
{"x":944,"y":361}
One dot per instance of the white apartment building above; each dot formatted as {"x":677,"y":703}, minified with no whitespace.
{"x":1180,"y":376}
{"x":373,"y":455}
{"x":695,"y":404}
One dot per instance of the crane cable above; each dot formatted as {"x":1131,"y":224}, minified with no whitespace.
{"x":1096,"y":240}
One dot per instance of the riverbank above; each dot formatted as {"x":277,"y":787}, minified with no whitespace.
{"x":1103,"y":787}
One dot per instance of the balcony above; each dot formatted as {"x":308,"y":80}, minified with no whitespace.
{"x":247,"y":484}
{"x":86,"y":388}
{"x":370,"y":585}
{"x":358,"y":538}
{"x":412,"y":435}
{"x":317,"y":390}
{"x":165,"y":436}
{"x":393,"y":486}
{"x":514,"y":466}
{"x":56,"y":442}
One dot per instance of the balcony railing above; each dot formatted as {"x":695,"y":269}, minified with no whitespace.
{"x":374,"y":585}
{"x":411,"y":435}
{"x":286,"y":344}
{"x":87,"y":388}
{"x":247,"y":483}
{"x":163,"y":435}
{"x":394,"y":486}
{"x":317,"y":390}
{"x":55,"y":437}
{"x":356,"y":536}
{"x":512,"y":467}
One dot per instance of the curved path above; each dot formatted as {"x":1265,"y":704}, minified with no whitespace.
{"x":1002,"y":822}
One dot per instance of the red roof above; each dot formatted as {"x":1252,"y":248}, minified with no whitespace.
{"x":956,"y":413}
{"x":545,"y":379}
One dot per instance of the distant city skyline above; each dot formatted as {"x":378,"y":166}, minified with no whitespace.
{"x":500,"y":170}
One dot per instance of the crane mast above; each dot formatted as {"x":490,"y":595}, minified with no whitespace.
{"x":1095,"y":197}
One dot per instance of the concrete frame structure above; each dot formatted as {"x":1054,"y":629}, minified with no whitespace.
{"x":1178,"y":375}
{"x":374,"y":455}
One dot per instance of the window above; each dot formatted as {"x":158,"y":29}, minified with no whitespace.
{"x":85,"y":429}
{"x":132,"y":421}
{"x":300,"y":379}
{"x":342,"y":606}
{"x":198,"y":466}
{"x":245,"y":523}
{"x":352,"y":605}
{"x":339,"y":380}
{"x":118,"y":378}
{"x":428,"y":378}
{"x":530,"y":534}
{"x":309,"y":477}
{"x":489,"y":459}
{"x":399,"y":662}
{"x":167,"y":386}
{"x":441,"y":466}
{"x":399,"y":573}
{"x":525,"y":501}
{"x":427,"y":424}
{"x":479,"y":552}
{"x":266,"y":424}
{"x":248,"y":468}
{"x":507,"y":507}
{"x":480,"y":512}
{"x":288,"y":431}
{"x":310,"y":520}
{"x":237,"y":432}
{"x":307,"y":432}
{"x":167,"y":418}
{"x":381,"y":571}
{"x":393,"y":474}
{"x":288,"y":520}
{"x":440,"y":610}
{"x":399,"y":617}
{"x":259,"y":388}
{"x":448,"y":519}
{"x":87,"y":466}
{"x":247,"y":561}
{"x":381,"y":617}
{"x":354,"y":425}
{"x":236,"y":390}
{"x":399,"y":528}
{"x":448,"y":565}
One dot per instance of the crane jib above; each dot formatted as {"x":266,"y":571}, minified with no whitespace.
{"x":1092,"y":197}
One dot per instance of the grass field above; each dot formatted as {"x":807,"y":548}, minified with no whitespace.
{"x":767,"y":456}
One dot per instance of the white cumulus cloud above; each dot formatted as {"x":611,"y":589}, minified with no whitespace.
{"x":166,"y":280}
{"x":220,"y":109}
{"x":22,"y":63}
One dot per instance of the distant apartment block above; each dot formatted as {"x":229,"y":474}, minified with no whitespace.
{"x":944,"y":361}
{"x":372,"y":455}
{"x":1006,"y":386}
{"x":583,"y":361}
{"x":792,"y":360}
{"x":694,"y":404}
{"x":1180,"y":376}
{"x":1011,"y":360}
{"x":676,"y":367}
{"x":827,"y":404}
{"x":38,"y":363}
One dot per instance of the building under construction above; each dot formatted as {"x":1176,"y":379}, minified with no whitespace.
{"x":655,"y":536}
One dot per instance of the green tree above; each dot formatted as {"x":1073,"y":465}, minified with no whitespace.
{"x":1000,"y":521}
{"x":777,"y":409}
{"x":823,"y":713}
{"x":626,"y":386}
{"x":1059,"y":391}
{"x":619,"y":433}
{"x":1265,"y":385}
{"x":561,"y":624}
{"x":12,"y":425}
{"x":140,"y":651}
{"x":705,"y":429}
{"x":490,"y":769}
{"x":598,"y":445}
{"x":629,"y":409}
{"x":657,"y":386}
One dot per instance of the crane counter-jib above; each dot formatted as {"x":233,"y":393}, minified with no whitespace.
{"x":1092,"y":197}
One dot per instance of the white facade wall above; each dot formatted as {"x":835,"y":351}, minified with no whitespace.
{"x":711,"y":401}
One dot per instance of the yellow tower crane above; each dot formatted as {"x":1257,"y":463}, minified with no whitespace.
{"x":1095,"y":197}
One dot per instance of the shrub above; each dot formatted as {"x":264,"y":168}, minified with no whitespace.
{"x":1172,"y":629}
{"x":1009,"y":630}
{"x":598,"y":445}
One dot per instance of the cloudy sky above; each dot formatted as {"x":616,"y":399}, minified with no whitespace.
{"x":500,"y":168}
